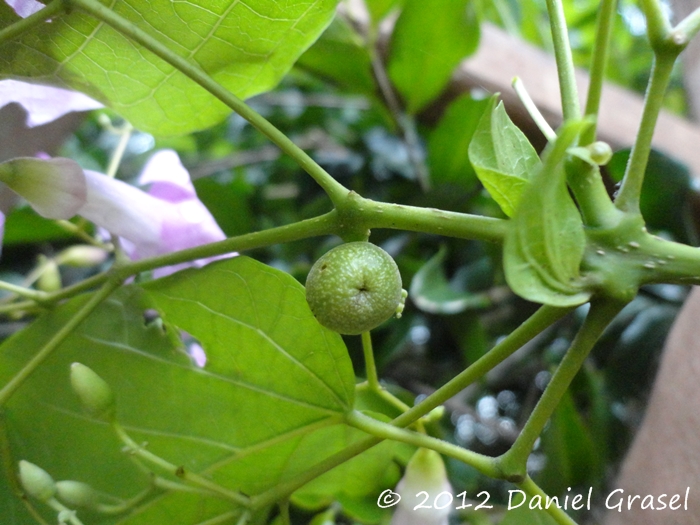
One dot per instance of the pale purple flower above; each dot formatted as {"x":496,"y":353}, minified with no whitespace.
{"x":44,"y":103}
{"x":167,"y":218}
{"x":24,"y":8}
{"x":424,"y":472}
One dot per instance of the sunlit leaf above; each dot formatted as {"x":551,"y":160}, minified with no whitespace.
{"x":524,"y":516}
{"x":502,"y":156}
{"x":246,"y":46}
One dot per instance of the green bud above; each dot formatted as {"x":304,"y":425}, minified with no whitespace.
{"x":36,"y":481}
{"x":50,"y":278}
{"x":82,"y":256}
{"x":600,"y":153}
{"x":95,"y":394}
{"x":76,"y":494}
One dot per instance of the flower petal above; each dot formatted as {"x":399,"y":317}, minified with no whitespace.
{"x":24,"y":8}
{"x":55,"y":188}
{"x":44,"y":103}
{"x":167,"y":178}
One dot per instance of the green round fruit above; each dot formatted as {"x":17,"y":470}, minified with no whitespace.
{"x":354,"y":288}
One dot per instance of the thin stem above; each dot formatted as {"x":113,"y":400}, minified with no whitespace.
{"x":565,"y":61}
{"x":631,"y":189}
{"x":599,"y":317}
{"x":532,"y":489}
{"x":687,"y":28}
{"x":404,"y":122}
{"x":118,"y":154}
{"x":333,"y":188}
{"x":429,"y":220}
{"x":57,"y":339}
{"x":586,"y":183}
{"x":21,"y":291}
{"x":483,"y":464}
{"x":370,"y":367}
{"x":21,"y":26}
{"x":540,"y":320}
{"x":221,"y":518}
{"x":533,"y":111}
{"x":599,"y":62}
{"x":658,"y":26}
{"x":68,"y":516}
{"x":180,"y":472}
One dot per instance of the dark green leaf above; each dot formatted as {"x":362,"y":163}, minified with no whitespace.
{"x":448,"y":144}
{"x":545,"y":242}
{"x":502,"y":156}
{"x":246,"y":46}
{"x":340,"y":57}
{"x":430,"y":39}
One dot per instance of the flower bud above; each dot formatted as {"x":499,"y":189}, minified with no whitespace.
{"x":50,"y":278}
{"x":95,"y":394}
{"x":36,"y":481}
{"x":600,"y":152}
{"x":76,"y":494}
{"x":425,"y":472}
{"x":82,"y":256}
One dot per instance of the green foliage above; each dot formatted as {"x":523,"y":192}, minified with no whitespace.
{"x":502,"y":156}
{"x":248,"y":47}
{"x":423,"y":56}
{"x":545,"y":242}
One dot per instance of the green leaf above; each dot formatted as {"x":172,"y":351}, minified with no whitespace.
{"x":545,"y":242}
{"x":378,"y":9}
{"x":430,"y":39}
{"x":431,"y":292}
{"x":524,"y":516}
{"x":246,"y":46}
{"x":502,"y":156}
{"x":448,"y":144}
{"x":267,"y":406}
{"x":340,"y":57}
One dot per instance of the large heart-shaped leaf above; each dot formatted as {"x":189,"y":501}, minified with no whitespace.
{"x":268,"y":404}
{"x":246,"y":46}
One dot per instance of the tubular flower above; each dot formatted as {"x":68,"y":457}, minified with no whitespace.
{"x":169,"y":217}
{"x":24,"y":8}
{"x":424,"y":473}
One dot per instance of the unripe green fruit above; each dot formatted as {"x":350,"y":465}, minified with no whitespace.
{"x":354,"y":288}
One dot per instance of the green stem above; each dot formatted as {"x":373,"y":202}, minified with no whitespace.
{"x":631,"y":189}
{"x":21,"y":26}
{"x":513,"y":462}
{"x":658,"y":26}
{"x":94,"y":301}
{"x":483,"y":464}
{"x":174,"y":470}
{"x":599,"y":62}
{"x":597,"y":210}
{"x":565,"y":61}
{"x":540,"y":320}
{"x":333,"y":188}
{"x":687,"y":28}
{"x":429,"y":220}
{"x":532,"y":489}
{"x":62,"y":509}
{"x":226,"y":517}
{"x":370,"y":367}
{"x":533,"y":110}
{"x":322,"y":225}
{"x":22,"y":291}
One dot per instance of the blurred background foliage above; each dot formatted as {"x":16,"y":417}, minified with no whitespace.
{"x":360,"y":101}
